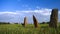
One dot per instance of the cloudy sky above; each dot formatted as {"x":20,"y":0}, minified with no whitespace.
{"x":16,"y":10}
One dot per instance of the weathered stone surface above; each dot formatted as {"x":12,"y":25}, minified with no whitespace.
{"x":54,"y":18}
{"x":25,"y":22}
{"x":35,"y":22}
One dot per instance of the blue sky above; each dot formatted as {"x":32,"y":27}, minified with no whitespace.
{"x":16,"y":10}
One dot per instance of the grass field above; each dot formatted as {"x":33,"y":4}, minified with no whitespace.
{"x":29,"y":29}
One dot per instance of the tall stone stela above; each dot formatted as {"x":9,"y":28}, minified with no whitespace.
{"x":54,"y":18}
{"x":25,"y":21}
{"x":35,"y":22}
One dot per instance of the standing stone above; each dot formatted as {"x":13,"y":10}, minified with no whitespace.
{"x":25,"y":21}
{"x":35,"y":22}
{"x":54,"y":18}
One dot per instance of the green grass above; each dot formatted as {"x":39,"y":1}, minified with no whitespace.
{"x":29,"y":29}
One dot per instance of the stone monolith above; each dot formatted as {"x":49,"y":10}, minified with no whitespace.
{"x":54,"y":18}
{"x":25,"y":22}
{"x":35,"y":22}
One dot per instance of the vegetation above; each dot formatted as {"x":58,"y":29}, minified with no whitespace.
{"x":4,"y":23}
{"x":29,"y":29}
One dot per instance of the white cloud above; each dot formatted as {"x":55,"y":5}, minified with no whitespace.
{"x":42,"y":11}
{"x":59,"y":12}
{"x":19,"y":15}
{"x":37,"y":7}
{"x":6,"y":12}
{"x":25,"y":5}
